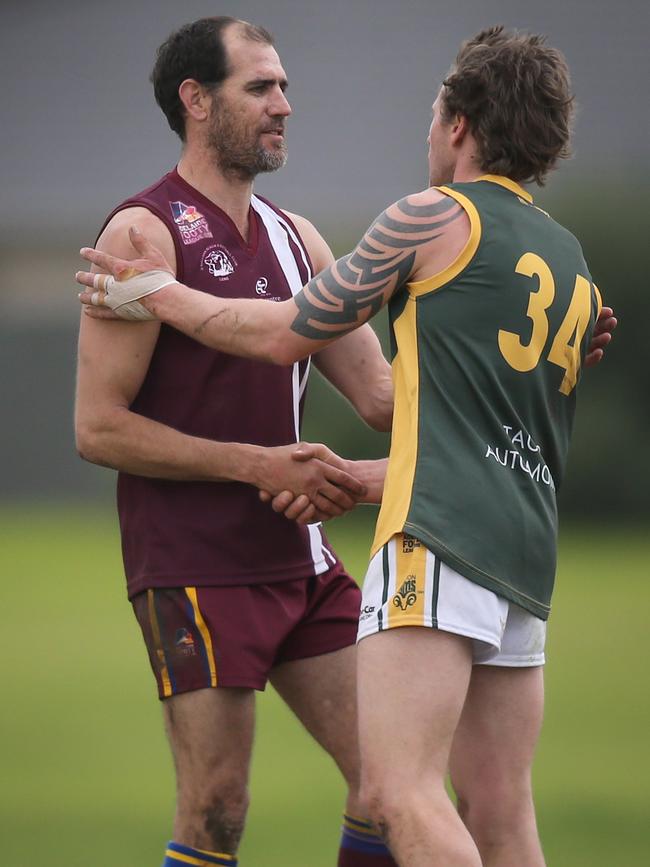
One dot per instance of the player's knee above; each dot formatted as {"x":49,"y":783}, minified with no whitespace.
{"x":230,"y":794}
{"x":494,"y":806}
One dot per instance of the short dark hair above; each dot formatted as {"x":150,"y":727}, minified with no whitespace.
{"x":515,"y":92}
{"x":195,"y":50}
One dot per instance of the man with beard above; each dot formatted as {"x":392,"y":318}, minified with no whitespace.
{"x":228,"y":594}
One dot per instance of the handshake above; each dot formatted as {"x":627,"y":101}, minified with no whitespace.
{"x":308,"y":482}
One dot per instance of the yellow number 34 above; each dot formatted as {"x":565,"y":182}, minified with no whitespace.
{"x":526,"y":356}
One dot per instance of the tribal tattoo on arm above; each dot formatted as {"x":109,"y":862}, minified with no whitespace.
{"x":357,"y":286}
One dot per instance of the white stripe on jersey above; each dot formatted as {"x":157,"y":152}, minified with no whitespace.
{"x":262,"y":207}
{"x":303,"y":384}
{"x":279,"y":232}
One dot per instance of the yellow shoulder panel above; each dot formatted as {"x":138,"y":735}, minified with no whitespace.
{"x":430,"y":284}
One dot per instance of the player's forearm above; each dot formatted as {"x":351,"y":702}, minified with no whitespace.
{"x":373,"y":401}
{"x":239,"y":326}
{"x":131,"y":443}
{"x":356,"y":367}
{"x":376,"y":405}
{"x":371,"y":474}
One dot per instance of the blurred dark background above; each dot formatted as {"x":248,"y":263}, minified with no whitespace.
{"x":81,"y":131}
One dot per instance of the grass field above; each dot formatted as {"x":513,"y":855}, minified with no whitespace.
{"x":87,"y":781}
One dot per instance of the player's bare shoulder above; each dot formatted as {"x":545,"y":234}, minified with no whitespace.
{"x":114,"y":239}
{"x":437,"y":226}
{"x":317,"y":247}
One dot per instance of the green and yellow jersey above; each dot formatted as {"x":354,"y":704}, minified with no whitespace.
{"x":486,"y":359}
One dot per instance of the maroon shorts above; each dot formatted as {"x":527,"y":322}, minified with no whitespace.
{"x":199,"y":637}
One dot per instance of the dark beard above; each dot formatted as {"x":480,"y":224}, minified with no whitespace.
{"x":234,"y":157}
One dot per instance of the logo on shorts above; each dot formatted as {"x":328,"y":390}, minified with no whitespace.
{"x":218,"y":261}
{"x":406,"y":595}
{"x":184,"y":642}
{"x":192,"y":225}
{"x":366,"y":612}
{"x":409,"y":544}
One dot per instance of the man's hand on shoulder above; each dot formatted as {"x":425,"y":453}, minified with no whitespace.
{"x":134,"y":242}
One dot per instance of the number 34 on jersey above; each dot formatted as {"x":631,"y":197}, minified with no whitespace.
{"x":565,"y":346}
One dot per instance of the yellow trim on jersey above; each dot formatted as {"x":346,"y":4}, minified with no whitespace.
{"x":205,"y":633}
{"x":513,"y":186}
{"x":160,"y":653}
{"x":398,"y":486}
{"x":197,"y":862}
{"x":407,"y":605}
{"x":430,"y":284}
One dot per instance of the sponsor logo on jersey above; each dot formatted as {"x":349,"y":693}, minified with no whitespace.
{"x":184,"y":642}
{"x":218,"y":261}
{"x":525,"y":457}
{"x":406,"y":595}
{"x":191,"y":223}
{"x":261,"y":290}
{"x":409,"y":544}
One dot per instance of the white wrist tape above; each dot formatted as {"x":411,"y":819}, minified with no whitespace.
{"x":122,"y":295}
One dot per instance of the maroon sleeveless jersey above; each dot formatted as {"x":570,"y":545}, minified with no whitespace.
{"x":206,"y":533}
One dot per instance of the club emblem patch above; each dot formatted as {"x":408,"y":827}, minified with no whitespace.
{"x":218,"y":261}
{"x":184,"y":642}
{"x":406,"y":595}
